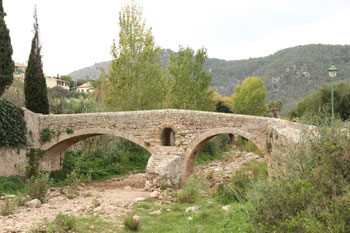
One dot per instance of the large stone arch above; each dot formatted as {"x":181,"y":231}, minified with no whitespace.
{"x":55,"y":148}
{"x":195,"y":146}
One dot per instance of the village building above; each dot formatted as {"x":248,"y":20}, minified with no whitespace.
{"x":85,"y":88}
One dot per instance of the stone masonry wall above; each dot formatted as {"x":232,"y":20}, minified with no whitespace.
{"x":171,"y":164}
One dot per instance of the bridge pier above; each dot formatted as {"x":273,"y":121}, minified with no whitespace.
{"x":164,"y":167}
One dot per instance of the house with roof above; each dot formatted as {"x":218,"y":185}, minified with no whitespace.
{"x":85,"y":88}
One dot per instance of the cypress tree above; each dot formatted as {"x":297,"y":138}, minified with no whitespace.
{"x":6,"y":62}
{"x":35,"y":90}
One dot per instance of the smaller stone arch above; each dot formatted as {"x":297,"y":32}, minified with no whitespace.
{"x":168,"y":137}
{"x":55,"y":148}
{"x":195,"y":146}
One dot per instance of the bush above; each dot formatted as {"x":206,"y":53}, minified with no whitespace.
{"x":12,"y":125}
{"x":37,"y":187}
{"x":7,"y":208}
{"x":62,"y":224}
{"x":191,"y":190}
{"x":310,"y":192}
{"x":115,"y":158}
{"x":11,"y":184}
{"x":241,"y":182}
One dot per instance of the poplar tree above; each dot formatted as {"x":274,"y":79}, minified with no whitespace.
{"x":135,"y":80}
{"x":6,"y":62}
{"x":189,"y":82}
{"x":35,"y":89}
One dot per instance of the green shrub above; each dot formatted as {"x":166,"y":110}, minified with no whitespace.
{"x":241,"y":182}
{"x":12,"y":125}
{"x":7,"y":208}
{"x":69,"y":131}
{"x":11,"y":184}
{"x":130,"y":224}
{"x":310,"y":191}
{"x":46,"y":135}
{"x":73,"y":180}
{"x":101,"y":162}
{"x":62,"y":224}
{"x":37,"y":187}
{"x":191,"y":190}
{"x":34,"y":157}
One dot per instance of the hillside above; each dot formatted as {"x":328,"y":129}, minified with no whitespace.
{"x":289,"y":74}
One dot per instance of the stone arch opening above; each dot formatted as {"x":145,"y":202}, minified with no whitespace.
{"x":194,"y":147}
{"x":168,"y":137}
{"x":55,"y":149}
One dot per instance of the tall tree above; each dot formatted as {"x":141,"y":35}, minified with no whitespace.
{"x":135,"y":80}
{"x":249,"y":99}
{"x":189,"y":82}
{"x":6,"y":62}
{"x":35,"y":89}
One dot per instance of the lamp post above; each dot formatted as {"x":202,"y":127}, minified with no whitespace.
{"x":332,"y":71}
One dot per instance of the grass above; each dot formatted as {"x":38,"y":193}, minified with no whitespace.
{"x":209,"y":218}
{"x":66,"y":223}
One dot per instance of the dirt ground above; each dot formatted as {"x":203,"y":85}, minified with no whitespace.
{"x":111,"y":199}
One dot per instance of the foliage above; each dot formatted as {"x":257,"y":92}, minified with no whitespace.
{"x":37,"y":187}
{"x":11,"y":184}
{"x":12,"y":125}
{"x":69,"y":79}
{"x":130,"y":224}
{"x":249,"y":99}
{"x":15,"y":93}
{"x":274,"y":108}
{"x":310,"y":191}
{"x":46,"y":135}
{"x":7,"y":208}
{"x":188,"y":81}
{"x":319,"y":102}
{"x":73,"y":180}
{"x":6,"y":62}
{"x":213,"y":149}
{"x":289,"y":74}
{"x":69,"y":131}
{"x":61,"y":224}
{"x":115,"y":158}
{"x":35,"y":90}
{"x":135,"y":80}
{"x":190,"y":192}
{"x":56,"y":97}
{"x":236,"y":190}
{"x":246,"y":145}
{"x":83,"y":105}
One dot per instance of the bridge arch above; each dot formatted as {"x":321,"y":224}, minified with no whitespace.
{"x":195,"y":146}
{"x":55,"y":148}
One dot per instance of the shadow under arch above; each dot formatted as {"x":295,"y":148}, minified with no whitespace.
{"x":195,"y":146}
{"x":54,"y":148}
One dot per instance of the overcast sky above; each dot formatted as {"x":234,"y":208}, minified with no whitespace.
{"x":79,"y":33}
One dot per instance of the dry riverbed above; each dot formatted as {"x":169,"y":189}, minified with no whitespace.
{"x":111,"y":200}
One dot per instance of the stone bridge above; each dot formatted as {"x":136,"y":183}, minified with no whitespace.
{"x":173,"y":137}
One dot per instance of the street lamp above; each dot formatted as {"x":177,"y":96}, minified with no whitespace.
{"x":332,"y":71}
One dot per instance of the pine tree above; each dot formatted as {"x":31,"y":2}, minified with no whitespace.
{"x":35,"y":90}
{"x":6,"y":62}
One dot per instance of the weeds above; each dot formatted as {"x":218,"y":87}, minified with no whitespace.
{"x":37,"y":187}
{"x":191,"y":190}
{"x":310,"y":192}
{"x":62,"y":224}
{"x":7,"y":208}
{"x":131,"y":224}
